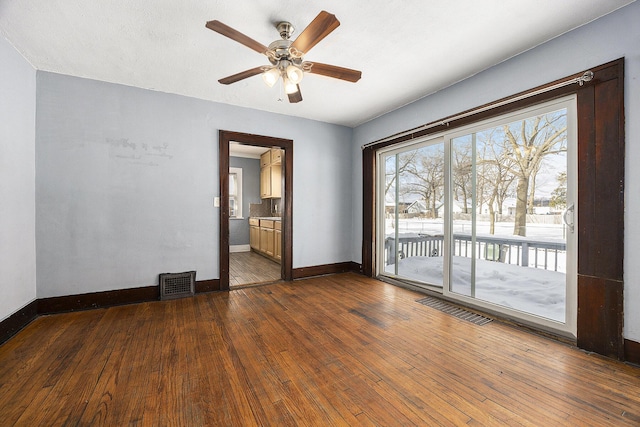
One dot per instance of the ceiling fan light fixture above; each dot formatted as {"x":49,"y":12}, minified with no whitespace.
{"x":294,"y":74}
{"x":286,"y":56}
{"x":289,"y":86}
{"x":271,"y":76}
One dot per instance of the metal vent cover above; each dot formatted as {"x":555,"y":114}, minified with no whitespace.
{"x":177,"y":285}
{"x":455,"y":311}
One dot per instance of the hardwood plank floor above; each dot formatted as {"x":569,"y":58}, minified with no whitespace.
{"x":247,"y":268}
{"x":332,"y":350}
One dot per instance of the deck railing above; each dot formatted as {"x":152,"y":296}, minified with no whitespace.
{"x":523,"y":251}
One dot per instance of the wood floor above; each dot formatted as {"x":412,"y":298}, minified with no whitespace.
{"x":246,"y":268}
{"x":334,"y":350}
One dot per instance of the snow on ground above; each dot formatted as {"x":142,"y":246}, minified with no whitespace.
{"x":551,"y":232}
{"x":531,"y":290}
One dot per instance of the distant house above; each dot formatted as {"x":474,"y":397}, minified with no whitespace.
{"x":508,"y":207}
{"x":419,"y":207}
{"x":456,"y":207}
{"x":390,"y":208}
{"x":541,"y":207}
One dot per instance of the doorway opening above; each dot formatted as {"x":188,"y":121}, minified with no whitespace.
{"x":257,"y":213}
{"x":255,"y":209}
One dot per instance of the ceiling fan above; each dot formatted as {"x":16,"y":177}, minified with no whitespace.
{"x":286,"y":56}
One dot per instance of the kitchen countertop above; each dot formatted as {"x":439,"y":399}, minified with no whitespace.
{"x":270,"y":218}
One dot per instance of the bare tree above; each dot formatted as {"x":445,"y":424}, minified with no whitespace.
{"x":528,"y":142}
{"x":404,"y":160}
{"x":462,"y":170}
{"x":495,"y":172}
{"x":428,"y":178}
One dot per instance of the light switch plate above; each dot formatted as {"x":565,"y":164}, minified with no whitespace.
{"x":216,"y":202}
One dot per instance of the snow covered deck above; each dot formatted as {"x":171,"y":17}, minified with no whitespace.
{"x":531,"y":290}
{"x":522,"y":273}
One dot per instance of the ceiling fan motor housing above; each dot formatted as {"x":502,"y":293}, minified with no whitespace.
{"x":285,"y":29}
{"x":279,"y":50}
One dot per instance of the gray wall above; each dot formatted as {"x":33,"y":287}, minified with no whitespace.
{"x":611,"y":37}
{"x":17,"y":181}
{"x":126,"y":180}
{"x":239,"y":228}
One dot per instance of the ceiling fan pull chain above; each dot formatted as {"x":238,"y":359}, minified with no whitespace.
{"x":281,"y":91}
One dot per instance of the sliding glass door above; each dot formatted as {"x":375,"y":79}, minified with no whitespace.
{"x":486,"y":212}
{"x":411,"y":209}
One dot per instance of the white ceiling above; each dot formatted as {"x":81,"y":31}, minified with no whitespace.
{"x":406,"y":49}
{"x":249,"y":151}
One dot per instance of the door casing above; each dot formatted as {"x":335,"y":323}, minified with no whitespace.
{"x":224,"y":138}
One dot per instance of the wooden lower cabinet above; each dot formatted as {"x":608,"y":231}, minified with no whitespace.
{"x":254,"y":238}
{"x":266,"y":241}
{"x":254,"y":234}
{"x":277,"y":237}
{"x":265,"y":237}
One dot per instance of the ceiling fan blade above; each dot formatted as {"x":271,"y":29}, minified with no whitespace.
{"x":318,"y":29}
{"x":241,"y":76}
{"x":236,"y":35}
{"x":295,"y":96}
{"x":335,"y":72}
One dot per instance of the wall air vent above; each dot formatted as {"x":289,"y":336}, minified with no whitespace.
{"x":177,"y":285}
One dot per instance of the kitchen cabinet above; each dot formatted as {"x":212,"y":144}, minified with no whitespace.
{"x":254,"y":233}
{"x":265,"y":237}
{"x":276,"y":156}
{"x":265,"y":159}
{"x":277,"y":237}
{"x":271,"y":174}
{"x":271,"y":182}
{"x":271,"y":157}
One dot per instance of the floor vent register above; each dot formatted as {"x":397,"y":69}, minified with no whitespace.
{"x":453,"y":310}
{"x":177,"y":285}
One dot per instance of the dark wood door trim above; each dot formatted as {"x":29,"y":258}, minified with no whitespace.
{"x":224,"y":137}
{"x":600,"y":200}
{"x":601,"y":212}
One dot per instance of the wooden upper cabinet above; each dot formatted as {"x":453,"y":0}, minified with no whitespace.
{"x":265,"y":182}
{"x":265,"y":159}
{"x":276,"y":181}
{"x":271,"y":182}
{"x":276,"y":156}
{"x":271,"y":174}
{"x":271,"y":157}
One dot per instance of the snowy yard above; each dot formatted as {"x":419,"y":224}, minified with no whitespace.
{"x":534,"y":291}
{"x":538,"y":291}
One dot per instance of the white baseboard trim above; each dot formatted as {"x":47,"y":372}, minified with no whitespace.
{"x":239,"y":248}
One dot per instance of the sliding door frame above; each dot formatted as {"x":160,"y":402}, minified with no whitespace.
{"x":600,"y":106}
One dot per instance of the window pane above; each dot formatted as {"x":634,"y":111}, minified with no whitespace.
{"x":414,"y":212}
{"x":232,"y":207}
{"x":509,"y":190}
{"x":233,"y":184}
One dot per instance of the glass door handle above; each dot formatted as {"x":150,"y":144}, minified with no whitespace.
{"x":567,"y":216}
